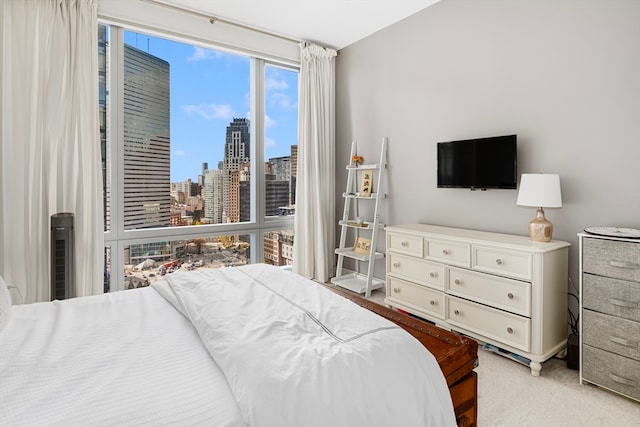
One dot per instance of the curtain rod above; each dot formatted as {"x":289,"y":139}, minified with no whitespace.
{"x":212,"y":19}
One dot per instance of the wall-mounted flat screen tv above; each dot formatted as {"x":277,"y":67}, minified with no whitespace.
{"x":479,"y":163}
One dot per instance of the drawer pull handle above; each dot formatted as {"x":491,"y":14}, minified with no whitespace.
{"x":445,"y":251}
{"x":499,"y":261}
{"x":405,"y":243}
{"x":622,"y":380}
{"x":456,"y":312}
{"x":621,"y":341}
{"x":432,"y":302}
{"x":510,"y":330}
{"x":396,"y":290}
{"x":396,"y":264}
{"x":624,"y":304}
{"x":433,"y":275}
{"x":510,"y":295}
{"x":457,"y":281}
{"x":624,"y":264}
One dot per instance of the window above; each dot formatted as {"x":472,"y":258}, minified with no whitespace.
{"x":179,"y":131}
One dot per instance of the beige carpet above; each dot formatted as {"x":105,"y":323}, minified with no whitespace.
{"x":509,"y":396}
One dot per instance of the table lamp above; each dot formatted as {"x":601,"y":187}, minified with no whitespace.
{"x":541,"y":191}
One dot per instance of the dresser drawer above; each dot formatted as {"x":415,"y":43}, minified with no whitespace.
{"x":617,"y":259}
{"x":448,"y":252}
{"x":506,"y":263}
{"x":498,"y":325}
{"x":429,"y":273}
{"x":417,"y":297}
{"x":612,"y":371}
{"x":611,"y":333}
{"x":510,"y":295}
{"x":611,"y":296}
{"x":406,"y":244}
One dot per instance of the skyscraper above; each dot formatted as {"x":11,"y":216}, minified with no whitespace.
{"x":213,"y":196}
{"x":236,"y":159}
{"x":146,"y":140}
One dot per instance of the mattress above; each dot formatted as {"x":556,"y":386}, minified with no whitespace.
{"x":120,"y":359}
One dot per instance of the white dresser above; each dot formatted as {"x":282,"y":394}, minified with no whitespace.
{"x":610,"y":313}
{"x":500,"y":289}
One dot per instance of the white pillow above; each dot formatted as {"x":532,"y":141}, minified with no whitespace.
{"x":5,"y":303}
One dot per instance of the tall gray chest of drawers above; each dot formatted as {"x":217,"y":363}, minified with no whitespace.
{"x":610,"y":313}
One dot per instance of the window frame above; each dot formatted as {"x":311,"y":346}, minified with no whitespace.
{"x":116,"y":238}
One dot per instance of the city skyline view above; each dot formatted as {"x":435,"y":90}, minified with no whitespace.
{"x":208,"y":89}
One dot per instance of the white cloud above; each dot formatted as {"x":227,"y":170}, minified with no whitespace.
{"x":282,"y":100}
{"x":202,"y":54}
{"x":268,"y":122}
{"x":269,"y":142}
{"x":271,"y":83}
{"x":210,"y":111}
{"x":178,"y":152}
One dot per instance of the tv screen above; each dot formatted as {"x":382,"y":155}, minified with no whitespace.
{"x":479,"y":163}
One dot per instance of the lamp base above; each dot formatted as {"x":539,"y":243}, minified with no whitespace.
{"x":540,"y":230}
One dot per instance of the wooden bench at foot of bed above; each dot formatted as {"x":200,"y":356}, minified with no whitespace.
{"x":456,"y":355}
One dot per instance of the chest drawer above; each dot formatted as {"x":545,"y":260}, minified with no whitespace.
{"x":506,"y":263}
{"x":611,"y":296}
{"x":406,"y":244}
{"x":611,"y":333}
{"x":617,"y":259}
{"x":495,"y":324}
{"x":510,"y":295}
{"x":448,"y":252}
{"x":417,"y":297}
{"x":417,"y":269}
{"x":612,"y":371}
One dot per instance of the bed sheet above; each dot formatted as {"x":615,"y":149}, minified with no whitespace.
{"x":122,"y":359}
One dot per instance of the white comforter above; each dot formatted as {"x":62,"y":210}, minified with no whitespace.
{"x":296,"y":354}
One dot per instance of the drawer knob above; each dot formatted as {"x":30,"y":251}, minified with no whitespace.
{"x":622,"y":380}
{"x":405,"y":244}
{"x":396,"y":264}
{"x":624,"y":304}
{"x":624,"y":264}
{"x":510,"y":330}
{"x":499,"y":261}
{"x":456,"y":312}
{"x":432,"y":302}
{"x":445,"y":251}
{"x":396,"y":290}
{"x":433,"y":275}
{"x":622,"y":341}
{"x":510,"y":295}
{"x":457,"y":281}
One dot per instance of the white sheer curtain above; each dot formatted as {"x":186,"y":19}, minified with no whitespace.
{"x":50,"y":152}
{"x":314,"y":244}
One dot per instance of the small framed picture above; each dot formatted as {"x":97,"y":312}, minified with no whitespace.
{"x":366,"y":183}
{"x":362,"y":246}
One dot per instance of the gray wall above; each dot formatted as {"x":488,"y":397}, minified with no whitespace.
{"x":562,"y":75}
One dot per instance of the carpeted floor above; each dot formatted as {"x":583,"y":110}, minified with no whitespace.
{"x":509,"y":396}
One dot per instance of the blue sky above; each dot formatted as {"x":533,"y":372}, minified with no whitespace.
{"x":208,"y":89}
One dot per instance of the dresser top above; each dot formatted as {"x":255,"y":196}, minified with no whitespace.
{"x":479,"y":237}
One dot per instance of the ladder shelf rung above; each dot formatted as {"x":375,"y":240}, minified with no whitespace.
{"x":350,"y":253}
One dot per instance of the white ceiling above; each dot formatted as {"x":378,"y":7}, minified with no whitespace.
{"x":331,"y":23}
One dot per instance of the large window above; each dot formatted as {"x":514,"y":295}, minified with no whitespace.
{"x":181,"y":125}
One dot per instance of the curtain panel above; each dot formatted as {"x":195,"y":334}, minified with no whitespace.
{"x":50,"y":155}
{"x":314,"y":244}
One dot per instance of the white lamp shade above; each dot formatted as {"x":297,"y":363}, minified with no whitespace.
{"x":540,"y":190}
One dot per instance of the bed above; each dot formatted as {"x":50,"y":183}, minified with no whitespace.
{"x":254,"y":345}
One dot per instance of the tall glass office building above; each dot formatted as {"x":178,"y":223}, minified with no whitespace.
{"x":147,"y":186}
